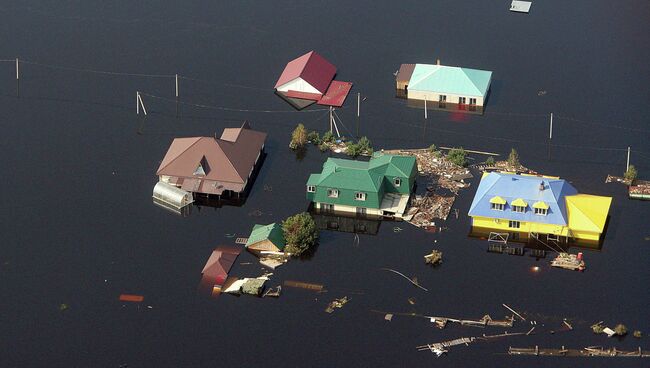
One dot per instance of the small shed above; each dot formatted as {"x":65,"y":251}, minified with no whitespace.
{"x":171,"y":196}
{"x":267,"y":238}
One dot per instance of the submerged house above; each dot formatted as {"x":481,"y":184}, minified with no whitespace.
{"x":218,"y":265}
{"x":444,"y":87}
{"x":267,"y":238}
{"x":537,"y":207}
{"x":310,"y":78}
{"x":205,"y":166}
{"x":381,"y":186}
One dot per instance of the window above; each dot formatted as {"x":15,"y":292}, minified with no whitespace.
{"x":360,"y":196}
{"x":442,"y":101}
{"x":514,"y":224}
{"x":361,"y":211}
{"x":472,"y":101}
{"x":333,"y":193}
{"x":462,"y":100}
{"x":497,"y":206}
{"x":541,"y":211}
{"x":311,"y":189}
{"x":520,"y":209}
{"x":397,"y":182}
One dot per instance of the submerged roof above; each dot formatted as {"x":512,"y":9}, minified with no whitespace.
{"x":272,"y":232}
{"x":511,"y":187}
{"x":219,"y":263}
{"x":450,"y":79}
{"x":311,"y":67}
{"x":227,"y":159}
{"x":362,"y":175}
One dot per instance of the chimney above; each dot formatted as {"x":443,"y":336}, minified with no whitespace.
{"x":541,"y":186}
{"x":437,"y":61}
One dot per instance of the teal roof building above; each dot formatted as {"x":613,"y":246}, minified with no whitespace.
{"x":450,"y":80}
{"x":380,"y":186}
{"x":267,"y":237}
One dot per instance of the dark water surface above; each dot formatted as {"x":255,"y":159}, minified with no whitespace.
{"x":79,"y":165}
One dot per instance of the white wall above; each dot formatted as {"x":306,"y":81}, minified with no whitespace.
{"x":298,"y":84}
{"x":434,"y":96}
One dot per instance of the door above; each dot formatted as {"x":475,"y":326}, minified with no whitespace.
{"x":472,"y":104}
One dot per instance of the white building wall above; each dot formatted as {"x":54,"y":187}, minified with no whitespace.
{"x":298,"y":84}
{"x":349,"y":209}
{"x":433,"y":97}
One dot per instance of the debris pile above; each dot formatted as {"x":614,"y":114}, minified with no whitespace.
{"x":425,"y":208}
{"x":569,"y":261}
{"x":336,"y":303}
{"x":431,"y":163}
{"x":434,"y":258}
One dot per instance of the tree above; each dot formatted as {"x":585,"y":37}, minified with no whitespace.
{"x":353,"y":149}
{"x":328,"y":137}
{"x":513,"y":158}
{"x":630,"y":174}
{"x":597,"y":328}
{"x":457,"y":156}
{"x":300,"y":232}
{"x":314,"y":137}
{"x":298,"y":137}
{"x":620,"y":329}
{"x":490,"y":161}
{"x":365,"y":145}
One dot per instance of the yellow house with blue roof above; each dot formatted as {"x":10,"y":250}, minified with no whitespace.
{"x":541,"y":207}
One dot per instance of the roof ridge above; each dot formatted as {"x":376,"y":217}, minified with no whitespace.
{"x":426,"y":75}
{"x":478,"y":90}
{"x":182,"y":152}
{"x":228,"y":158}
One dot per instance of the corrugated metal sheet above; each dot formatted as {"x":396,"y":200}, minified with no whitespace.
{"x":336,"y":94}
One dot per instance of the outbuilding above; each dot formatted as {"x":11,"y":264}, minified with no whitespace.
{"x":267,"y":238}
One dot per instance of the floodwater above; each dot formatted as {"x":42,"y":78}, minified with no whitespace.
{"x":79,"y":227}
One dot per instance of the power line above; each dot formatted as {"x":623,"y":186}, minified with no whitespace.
{"x":230,"y":108}
{"x":61,"y":67}
{"x":602,"y":124}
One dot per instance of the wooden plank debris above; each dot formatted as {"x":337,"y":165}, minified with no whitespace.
{"x":520,"y":6}
{"x":513,"y":311}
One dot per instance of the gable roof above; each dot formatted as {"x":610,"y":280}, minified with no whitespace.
{"x":450,"y":79}
{"x":272,"y":232}
{"x":230,"y":158}
{"x":219,"y":263}
{"x":511,"y":187}
{"x":362,"y":175}
{"x":311,"y":67}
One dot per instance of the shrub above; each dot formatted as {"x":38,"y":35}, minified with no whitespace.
{"x":620,"y":329}
{"x":597,"y":328}
{"x":631,"y":173}
{"x":314,"y":137}
{"x":328,"y":137}
{"x":513,"y":158}
{"x":432,"y":148}
{"x":323,"y":147}
{"x":298,"y":137}
{"x":300,"y":232}
{"x":490,"y":161}
{"x":637,"y":334}
{"x":457,"y":156}
{"x":364,"y":144}
{"x":353,"y":149}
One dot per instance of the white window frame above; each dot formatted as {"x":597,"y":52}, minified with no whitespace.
{"x":311,"y":189}
{"x":541,"y":211}
{"x":519,"y":209}
{"x":497,"y":206}
{"x":360,"y":196}
{"x":514,"y":224}
{"x":333,"y":193}
{"x":397,"y":181}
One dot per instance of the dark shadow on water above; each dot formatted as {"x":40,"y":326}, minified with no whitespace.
{"x":347,"y":223}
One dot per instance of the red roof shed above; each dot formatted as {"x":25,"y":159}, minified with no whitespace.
{"x":310,"y":68}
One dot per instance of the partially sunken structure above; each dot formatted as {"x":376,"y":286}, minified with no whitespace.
{"x":308,"y":79}
{"x":208,"y":166}
{"x":537,"y":207}
{"x":267,"y":238}
{"x":444,"y":87}
{"x":381,"y":186}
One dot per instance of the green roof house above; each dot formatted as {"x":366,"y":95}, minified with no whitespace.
{"x":381,"y":186}
{"x":266,"y":237}
{"x":444,"y":87}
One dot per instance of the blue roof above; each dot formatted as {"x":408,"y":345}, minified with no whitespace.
{"x":511,"y":187}
{"x":450,"y":79}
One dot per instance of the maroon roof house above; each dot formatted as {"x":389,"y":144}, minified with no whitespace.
{"x":207,"y":165}
{"x":310,"y":78}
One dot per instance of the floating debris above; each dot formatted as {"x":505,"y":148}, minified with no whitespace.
{"x":336,"y":303}
{"x":569,"y":261}
{"x":272,"y":262}
{"x":513,"y":311}
{"x":590,"y":351}
{"x":434,"y":258}
{"x":304,"y":285}
{"x":273,"y":292}
{"x":253,"y":286}
{"x":63,"y":307}
{"x":388,"y":317}
{"x":424,"y":209}
{"x":397,"y":229}
{"x":411,"y":301}
{"x":131,"y":298}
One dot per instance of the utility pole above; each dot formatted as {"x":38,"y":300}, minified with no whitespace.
{"x":139,"y":103}
{"x":550,"y":131}
{"x":176,"y":78}
{"x":627,"y":167}
{"x":17,"y":80}
{"x":17,"y":73}
{"x":358,"y":104}
{"x":425,"y":108}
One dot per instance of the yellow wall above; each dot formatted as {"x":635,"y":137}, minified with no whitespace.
{"x":525,"y":227}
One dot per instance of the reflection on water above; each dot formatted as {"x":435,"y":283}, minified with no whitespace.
{"x":296,"y":103}
{"x":347,"y":223}
{"x":446,"y":106}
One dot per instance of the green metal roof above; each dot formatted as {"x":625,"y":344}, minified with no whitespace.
{"x":362,"y":175}
{"x":272,"y":232}
{"x":450,"y":79}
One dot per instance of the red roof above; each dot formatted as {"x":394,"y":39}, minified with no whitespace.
{"x":336,"y":94}
{"x":312,"y":68}
{"x":303,"y":95}
{"x":219,"y":264}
